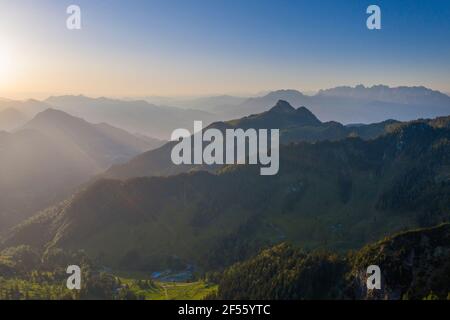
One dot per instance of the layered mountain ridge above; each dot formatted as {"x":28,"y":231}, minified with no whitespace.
{"x":295,"y":125}
{"x":337,"y":195}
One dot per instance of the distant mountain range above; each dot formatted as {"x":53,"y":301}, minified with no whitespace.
{"x":53,"y":153}
{"x":133,"y":116}
{"x":344,"y":104}
{"x":330,"y":194}
{"x":403,"y":95}
{"x":358,"y":104}
{"x":213,"y":104}
{"x":29,"y":107}
{"x":161,"y":115}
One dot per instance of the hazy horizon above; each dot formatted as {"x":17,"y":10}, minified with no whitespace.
{"x":175,"y":97}
{"x":207,"y":48}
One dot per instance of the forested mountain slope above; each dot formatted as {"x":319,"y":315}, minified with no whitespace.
{"x":337,"y":195}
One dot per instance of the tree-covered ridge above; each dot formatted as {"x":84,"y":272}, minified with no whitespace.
{"x":28,"y":274}
{"x":283,"y":272}
{"x":414,"y":265}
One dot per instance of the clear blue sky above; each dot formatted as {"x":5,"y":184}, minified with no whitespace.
{"x":224,"y":46}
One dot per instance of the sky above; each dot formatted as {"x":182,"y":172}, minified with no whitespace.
{"x":206,"y":47}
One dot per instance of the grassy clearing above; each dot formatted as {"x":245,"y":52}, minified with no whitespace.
{"x":171,"y":290}
{"x":182,"y":291}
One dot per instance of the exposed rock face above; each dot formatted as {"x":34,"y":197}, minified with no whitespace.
{"x":413,"y":265}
